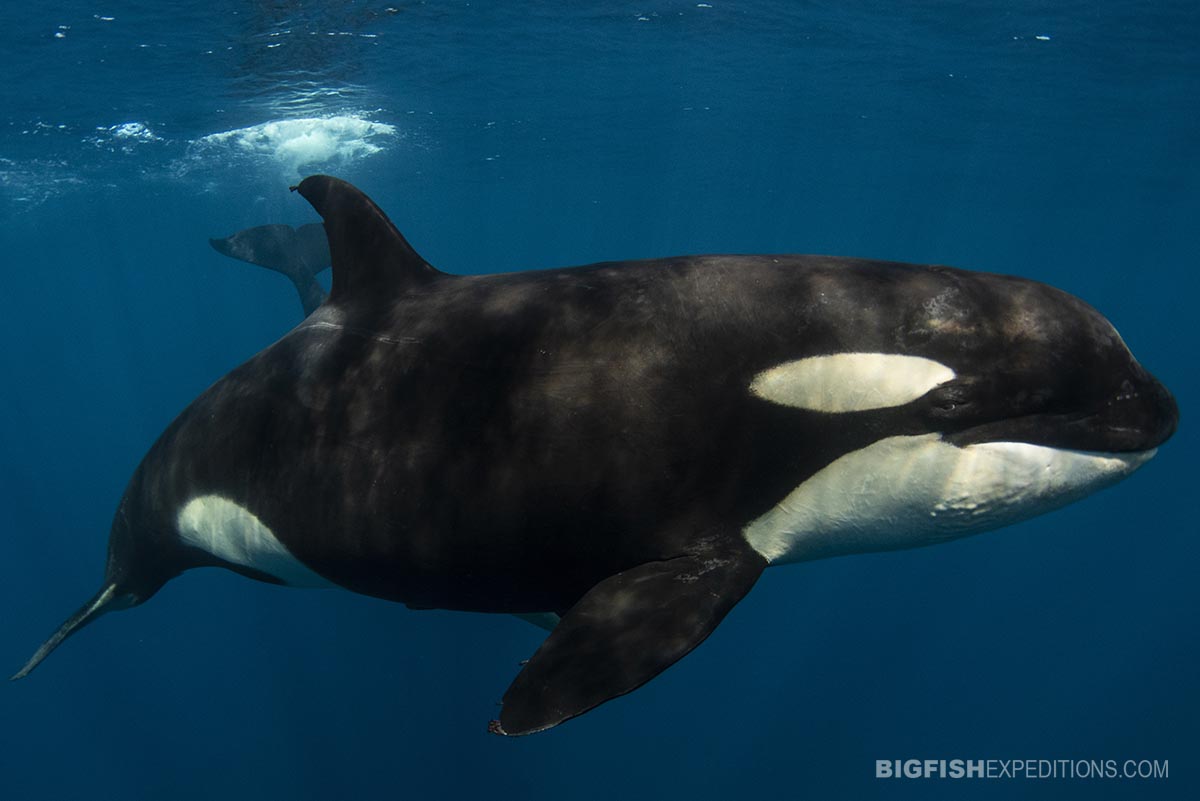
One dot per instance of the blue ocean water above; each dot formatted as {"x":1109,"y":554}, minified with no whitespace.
{"x":1058,"y":141}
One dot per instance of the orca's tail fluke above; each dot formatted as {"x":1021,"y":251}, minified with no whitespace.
{"x":299,"y":253}
{"x":109,"y":599}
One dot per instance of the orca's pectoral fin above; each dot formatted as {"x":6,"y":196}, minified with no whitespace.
{"x":624,"y":632}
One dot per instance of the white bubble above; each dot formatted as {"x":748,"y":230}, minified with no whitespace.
{"x":132,"y":130}
{"x":300,"y":143}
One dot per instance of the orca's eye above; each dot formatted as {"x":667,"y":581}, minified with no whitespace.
{"x":949,"y":400}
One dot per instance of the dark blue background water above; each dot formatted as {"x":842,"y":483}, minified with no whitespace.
{"x":1058,"y":141}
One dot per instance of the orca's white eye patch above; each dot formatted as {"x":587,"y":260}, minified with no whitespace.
{"x":850,"y":382}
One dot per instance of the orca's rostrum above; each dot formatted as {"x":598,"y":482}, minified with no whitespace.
{"x":626,"y":444}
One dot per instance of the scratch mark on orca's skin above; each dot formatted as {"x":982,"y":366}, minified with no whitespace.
{"x":358,"y":332}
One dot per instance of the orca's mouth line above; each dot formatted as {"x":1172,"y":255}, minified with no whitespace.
{"x":1143,"y":455}
{"x":1077,"y":432}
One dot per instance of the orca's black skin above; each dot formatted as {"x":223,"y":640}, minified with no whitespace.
{"x":583,"y":440}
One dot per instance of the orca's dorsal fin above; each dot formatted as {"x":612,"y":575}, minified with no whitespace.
{"x":369,"y":255}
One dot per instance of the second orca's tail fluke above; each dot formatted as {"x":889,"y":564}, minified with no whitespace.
{"x":299,"y":253}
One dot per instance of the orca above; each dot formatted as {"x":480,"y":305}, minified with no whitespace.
{"x":626,"y":444}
